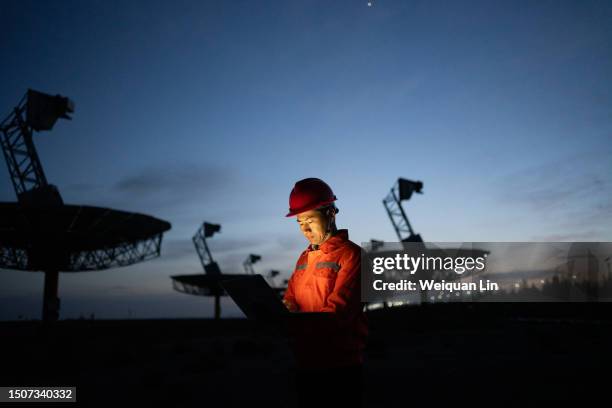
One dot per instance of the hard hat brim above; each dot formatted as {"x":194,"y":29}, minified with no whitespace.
{"x":293,"y":212}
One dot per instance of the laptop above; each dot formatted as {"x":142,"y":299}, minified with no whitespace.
{"x":257,"y":300}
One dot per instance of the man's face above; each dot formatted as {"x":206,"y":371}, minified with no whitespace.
{"x":313,"y":225}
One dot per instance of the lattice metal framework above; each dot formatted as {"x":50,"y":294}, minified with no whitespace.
{"x":35,"y":111}
{"x":402,"y":190}
{"x":207,"y":230}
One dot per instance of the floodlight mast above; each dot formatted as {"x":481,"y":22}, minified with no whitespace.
{"x":35,"y":112}
{"x":402,"y":190}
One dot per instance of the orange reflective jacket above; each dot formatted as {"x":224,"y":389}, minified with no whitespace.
{"x":328,"y":280}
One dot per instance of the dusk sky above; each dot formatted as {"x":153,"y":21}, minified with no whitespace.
{"x":211,"y":111}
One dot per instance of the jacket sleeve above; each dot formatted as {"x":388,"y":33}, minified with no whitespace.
{"x":289,"y":296}
{"x":345,"y":298}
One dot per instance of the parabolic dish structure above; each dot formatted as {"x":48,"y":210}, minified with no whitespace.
{"x":73,"y":238}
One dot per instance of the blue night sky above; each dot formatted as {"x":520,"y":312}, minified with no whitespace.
{"x":193,"y":111}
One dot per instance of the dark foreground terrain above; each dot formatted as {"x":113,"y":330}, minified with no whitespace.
{"x":434,"y":354}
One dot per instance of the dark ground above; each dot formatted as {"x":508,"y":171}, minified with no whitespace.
{"x":512,"y":353}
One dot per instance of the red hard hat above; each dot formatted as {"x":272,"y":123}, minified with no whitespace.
{"x":308,"y":194}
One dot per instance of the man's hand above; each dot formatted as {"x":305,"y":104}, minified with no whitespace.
{"x":290,"y":305}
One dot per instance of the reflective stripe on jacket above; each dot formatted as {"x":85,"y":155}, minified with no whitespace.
{"x":329,"y":280}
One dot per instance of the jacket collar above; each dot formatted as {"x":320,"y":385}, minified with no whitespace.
{"x":333,"y":242}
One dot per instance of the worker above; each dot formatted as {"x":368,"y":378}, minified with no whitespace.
{"x":328,"y":330}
